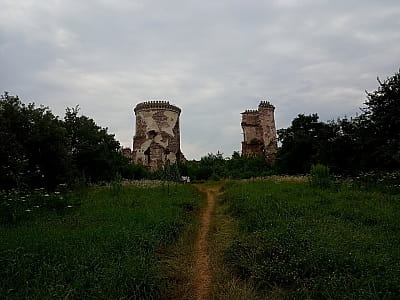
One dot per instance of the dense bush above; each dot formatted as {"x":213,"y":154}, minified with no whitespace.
{"x":216,"y":167}
{"x":320,"y":177}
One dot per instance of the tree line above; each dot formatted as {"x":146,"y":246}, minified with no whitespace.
{"x":38,"y":149}
{"x":347,"y":146}
{"x":368,"y":142}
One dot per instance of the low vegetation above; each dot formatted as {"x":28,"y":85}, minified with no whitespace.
{"x":334,"y":234}
{"x":299,"y":241}
{"x":320,"y":177}
{"x":103,"y":243}
{"x":216,"y":167}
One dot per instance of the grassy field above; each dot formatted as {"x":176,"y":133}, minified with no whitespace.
{"x":106,"y":246}
{"x":271,"y":239}
{"x":295,"y":241}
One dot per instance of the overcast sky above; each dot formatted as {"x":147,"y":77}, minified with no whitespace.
{"x":213,"y":59}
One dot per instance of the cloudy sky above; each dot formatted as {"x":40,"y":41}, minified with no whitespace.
{"x":212,"y":58}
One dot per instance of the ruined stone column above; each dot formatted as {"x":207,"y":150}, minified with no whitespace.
{"x":267,"y":122}
{"x":259,"y":132}
{"x":157,"y":138}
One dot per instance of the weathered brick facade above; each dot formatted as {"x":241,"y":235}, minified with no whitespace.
{"x":157,"y":138}
{"x":259,"y":132}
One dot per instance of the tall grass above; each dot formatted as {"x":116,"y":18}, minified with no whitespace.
{"x":106,"y":248}
{"x":306,"y":242}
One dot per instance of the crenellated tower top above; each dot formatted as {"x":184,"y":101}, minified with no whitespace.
{"x":266,"y":104}
{"x":156,"y":104}
{"x":250,"y":111}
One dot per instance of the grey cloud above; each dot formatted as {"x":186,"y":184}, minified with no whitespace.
{"x":212,"y":58}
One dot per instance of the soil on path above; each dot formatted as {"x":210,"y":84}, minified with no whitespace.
{"x":203,"y":274}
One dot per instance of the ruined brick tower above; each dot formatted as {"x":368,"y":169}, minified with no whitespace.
{"x":259,"y":133}
{"x":157,"y":138}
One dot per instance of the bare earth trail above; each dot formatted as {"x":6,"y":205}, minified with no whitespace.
{"x":203,"y":274}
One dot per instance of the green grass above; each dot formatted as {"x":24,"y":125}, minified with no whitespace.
{"x":296,"y":241}
{"x":225,"y":285}
{"x":106,"y":248}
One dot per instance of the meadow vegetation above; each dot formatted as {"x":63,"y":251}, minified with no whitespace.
{"x":296,"y":240}
{"x":102,"y":243}
{"x":71,"y":228}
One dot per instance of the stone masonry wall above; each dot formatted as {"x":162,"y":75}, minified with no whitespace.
{"x":157,"y":137}
{"x":259,"y":131}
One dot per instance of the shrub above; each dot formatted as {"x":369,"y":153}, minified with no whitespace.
{"x":319,"y":176}
{"x":116,"y":185}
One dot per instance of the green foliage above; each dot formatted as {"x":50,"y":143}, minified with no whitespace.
{"x":95,"y":153}
{"x":106,"y":248}
{"x":320,"y":177}
{"x":33,"y":150}
{"x":166,"y":173}
{"x":37,"y":149}
{"x":305,"y":142}
{"x":129,"y":170}
{"x":382,"y":121}
{"x":310,"y":243}
{"x":216,"y":167}
{"x":368,"y":142}
{"x":116,"y":186}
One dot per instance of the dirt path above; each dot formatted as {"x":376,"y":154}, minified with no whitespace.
{"x":203,"y":273}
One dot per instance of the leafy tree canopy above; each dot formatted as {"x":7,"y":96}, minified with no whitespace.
{"x":37,"y":149}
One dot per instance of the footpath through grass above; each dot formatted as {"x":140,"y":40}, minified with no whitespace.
{"x":295,"y":241}
{"x":105,"y":248}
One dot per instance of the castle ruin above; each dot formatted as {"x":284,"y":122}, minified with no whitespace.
{"x":157,"y":137}
{"x":259,"y":132}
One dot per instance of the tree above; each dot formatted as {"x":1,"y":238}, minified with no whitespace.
{"x":33,"y":145}
{"x":381,"y":118}
{"x":346,"y":151}
{"x":13,"y":161}
{"x":95,"y":153}
{"x":37,"y":149}
{"x":370,"y":141}
{"x":305,"y":142}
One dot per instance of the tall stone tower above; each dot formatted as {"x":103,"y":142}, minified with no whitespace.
{"x":259,"y":132}
{"x":157,"y":138}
